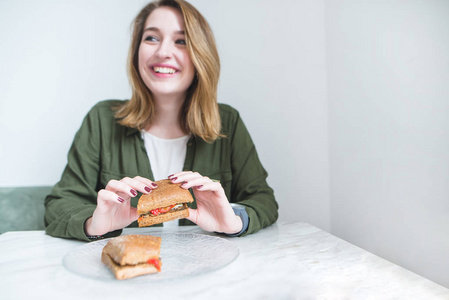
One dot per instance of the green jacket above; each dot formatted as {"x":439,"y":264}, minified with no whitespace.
{"x":103,"y":150}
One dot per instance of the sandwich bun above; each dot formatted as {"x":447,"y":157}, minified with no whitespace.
{"x":129,"y":255}
{"x":166,"y":194}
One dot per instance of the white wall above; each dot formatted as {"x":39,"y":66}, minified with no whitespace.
{"x":274,"y":72}
{"x":388,"y":75}
{"x":60,"y":57}
{"x":57,"y":59}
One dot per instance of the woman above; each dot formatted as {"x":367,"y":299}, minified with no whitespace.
{"x":172,"y":121}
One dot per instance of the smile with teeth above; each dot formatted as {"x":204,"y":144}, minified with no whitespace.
{"x":164,"y":70}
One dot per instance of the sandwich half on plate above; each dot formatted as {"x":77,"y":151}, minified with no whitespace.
{"x":132,"y":255}
{"x":165,"y":203}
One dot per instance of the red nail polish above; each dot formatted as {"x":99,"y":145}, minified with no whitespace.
{"x":171,"y":176}
{"x":134,"y":192}
{"x":199,"y":187}
{"x":120,"y":199}
{"x":147,"y":189}
{"x":174,"y":178}
{"x":154,"y":184}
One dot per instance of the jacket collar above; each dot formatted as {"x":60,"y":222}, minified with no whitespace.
{"x":130,"y":131}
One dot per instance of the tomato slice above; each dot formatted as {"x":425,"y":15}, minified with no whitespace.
{"x":161,"y":210}
{"x":155,"y":262}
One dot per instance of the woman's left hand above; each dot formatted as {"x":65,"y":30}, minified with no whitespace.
{"x":214,"y":212}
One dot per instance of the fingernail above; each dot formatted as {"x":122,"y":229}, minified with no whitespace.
{"x":199,"y":187}
{"x":120,"y":199}
{"x":184,"y":184}
{"x":174,"y":178}
{"x":134,"y":192}
{"x":154,"y":184}
{"x":171,"y":176}
{"x":147,"y":188}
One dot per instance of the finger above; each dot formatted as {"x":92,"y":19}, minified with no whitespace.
{"x":210,"y":186}
{"x":179,"y":173}
{"x":136,"y":185}
{"x":109,"y":196}
{"x":193,"y":215}
{"x":146,"y":181}
{"x":186,"y":176}
{"x":175,"y":177}
{"x":133,"y":214}
{"x":203,"y":183}
{"x":121,"y":187}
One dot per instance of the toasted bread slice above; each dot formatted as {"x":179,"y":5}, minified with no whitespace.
{"x":130,"y":271}
{"x":166,"y":194}
{"x":148,"y":220}
{"x":133,"y":249}
{"x":127,"y":256}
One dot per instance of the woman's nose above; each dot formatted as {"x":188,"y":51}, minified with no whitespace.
{"x":164,"y":51}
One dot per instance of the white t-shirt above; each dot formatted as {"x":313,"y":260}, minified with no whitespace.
{"x":166,"y":157}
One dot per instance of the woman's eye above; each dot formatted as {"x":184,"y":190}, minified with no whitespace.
{"x":181,"y":42}
{"x":151,"y":39}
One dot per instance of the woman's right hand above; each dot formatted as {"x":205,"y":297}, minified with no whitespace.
{"x":114,"y":210}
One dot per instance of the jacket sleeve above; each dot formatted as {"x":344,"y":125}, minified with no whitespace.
{"x":249,"y":185}
{"x":73,"y":199}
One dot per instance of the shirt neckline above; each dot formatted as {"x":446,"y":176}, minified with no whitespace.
{"x":184,"y":137}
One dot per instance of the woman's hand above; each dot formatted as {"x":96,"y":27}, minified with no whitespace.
{"x":213,"y":213}
{"x":114,"y":210}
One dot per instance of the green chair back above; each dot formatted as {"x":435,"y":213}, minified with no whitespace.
{"x":22,"y":208}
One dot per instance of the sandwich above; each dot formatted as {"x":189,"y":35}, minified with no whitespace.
{"x":165,"y":203}
{"x":129,"y":256}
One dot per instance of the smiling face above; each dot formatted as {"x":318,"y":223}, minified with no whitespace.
{"x":164,"y":62}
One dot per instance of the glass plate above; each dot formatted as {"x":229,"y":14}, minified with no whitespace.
{"x":182,"y":254}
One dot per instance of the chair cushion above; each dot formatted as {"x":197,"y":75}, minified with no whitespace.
{"x":22,"y":208}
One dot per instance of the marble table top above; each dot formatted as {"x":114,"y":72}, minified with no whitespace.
{"x":283,"y":261}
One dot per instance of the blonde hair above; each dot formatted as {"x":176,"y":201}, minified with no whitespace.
{"x":199,"y":114}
